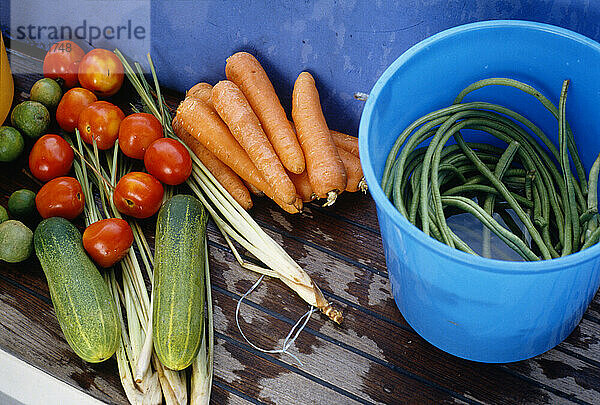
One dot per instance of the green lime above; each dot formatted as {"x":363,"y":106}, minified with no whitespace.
{"x":46,"y":91}
{"x":21,"y":204}
{"x":16,"y":241}
{"x":31,"y":118}
{"x":11,"y":144}
{"x":3,"y":214}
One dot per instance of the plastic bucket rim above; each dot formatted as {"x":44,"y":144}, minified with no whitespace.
{"x":382,"y":203}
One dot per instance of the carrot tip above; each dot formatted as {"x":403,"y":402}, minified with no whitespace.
{"x":298,"y":204}
{"x":332,"y":313}
{"x":331,"y":197}
{"x":362,"y":185}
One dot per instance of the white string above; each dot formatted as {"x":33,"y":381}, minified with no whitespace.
{"x":289,"y":340}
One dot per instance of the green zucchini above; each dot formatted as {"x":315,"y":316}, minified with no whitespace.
{"x":82,"y":301}
{"x":178,"y":305}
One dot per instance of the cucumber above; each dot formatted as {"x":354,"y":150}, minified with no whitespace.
{"x":84,"y":306}
{"x":178,"y":305}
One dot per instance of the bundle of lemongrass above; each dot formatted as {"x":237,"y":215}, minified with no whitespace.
{"x":144,"y":379}
{"x":231,"y":219}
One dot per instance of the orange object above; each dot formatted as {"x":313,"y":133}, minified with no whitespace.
{"x":204,"y":124}
{"x":138,"y":194}
{"x":100,"y":121}
{"x":136,"y":132}
{"x":355,"y":179}
{"x":7,"y":87}
{"x":101,"y":71}
{"x":346,"y":142}
{"x":60,"y":197}
{"x":72,"y":103}
{"x":303,"y":187}
{"x":323,"y":163}
{"x":223,"y":173}
{"x":232,"y":106}
{"x":107,"y":241}
{"x":247,"y":73}
{"x":62,"y":61}
{"x":201,"y":91}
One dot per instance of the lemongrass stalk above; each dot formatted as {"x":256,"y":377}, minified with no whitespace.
{"x":167,"y":389}
{"x":253,"y":238}
{"x":133,"y":394}
{"x":134,"y":292}
{"x":172,"y":381}
{"x":243,"y":263}
{"x":136,"y":333}
{"x":152,"y":389}
{"x":145,"y":354}
{"x":202,"y":369}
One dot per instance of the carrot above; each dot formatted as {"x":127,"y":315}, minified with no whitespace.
{"x":201,"y":91}
{"x":254,"y":190}
{"x":232,"y":106}
{"x":204,"y":124}
{"x":247,"y":73}
{"x":223,"y":173}
{"x":323,"y":163}
{"x":346,"y":142}
{"x":303,"y":186}
{"x":356,"y":180}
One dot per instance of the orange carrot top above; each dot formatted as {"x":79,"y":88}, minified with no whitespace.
{"x":247,"y":73}
{"x":201,"y":91}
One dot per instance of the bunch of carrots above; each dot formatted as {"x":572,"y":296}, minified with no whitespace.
{"x":241,"y":133}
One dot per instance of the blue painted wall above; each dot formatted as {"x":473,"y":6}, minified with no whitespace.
{"x":346,"y":45}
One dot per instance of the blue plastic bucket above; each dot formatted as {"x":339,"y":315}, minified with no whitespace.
{"x":484,"y":309}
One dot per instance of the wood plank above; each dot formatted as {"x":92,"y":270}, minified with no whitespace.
{"x":402,"y":349}
{"x":29,"y":330}
{"x":250,"y":374}
{"x":322,"y":360}
{"x":324,"y":232}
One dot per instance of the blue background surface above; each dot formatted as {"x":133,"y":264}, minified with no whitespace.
{"x":346,"y":45}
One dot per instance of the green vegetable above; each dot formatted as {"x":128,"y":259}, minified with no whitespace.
{"x":46,"y":91}
{"x":179,"y":261}
{"x":16,"y":241}
{"x":429,"y":184}
{"x":82,"y":301}
{"x":3,"y":214}
{"x":11,"y":144}
{"x":30,"y":118}
{"x":21,"y":204}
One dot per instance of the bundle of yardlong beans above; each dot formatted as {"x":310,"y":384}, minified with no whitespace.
{"x":558,"y":208}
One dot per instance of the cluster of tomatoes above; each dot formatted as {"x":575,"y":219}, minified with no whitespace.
{"x":90,"y":76}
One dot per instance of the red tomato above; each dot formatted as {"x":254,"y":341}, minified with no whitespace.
{"x":60,"y":197}
{"x":108,"y":241}
{"x":168,"y":160}
{"x":100,"y":121}
{"x":70,"y":106}
{"x":137,"y":132}
{"x":138,"y":194}
{"x":62,"y":60}
{"x":101,"y":72}
{"x":50,"y":157}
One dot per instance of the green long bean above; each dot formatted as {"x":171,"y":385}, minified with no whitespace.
{"x":427,"y":184}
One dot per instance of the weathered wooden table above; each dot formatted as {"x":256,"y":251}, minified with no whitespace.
{"x":375,"y":357}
